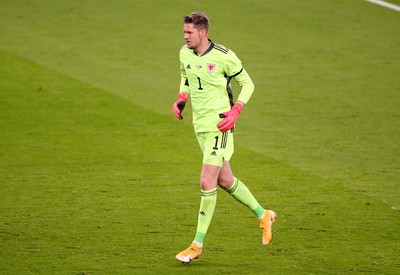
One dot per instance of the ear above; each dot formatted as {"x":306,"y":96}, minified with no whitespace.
{"x":203,"y":32}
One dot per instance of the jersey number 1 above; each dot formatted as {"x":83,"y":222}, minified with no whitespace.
{"x":200,"y":88}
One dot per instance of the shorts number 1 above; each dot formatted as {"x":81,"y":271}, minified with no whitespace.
{"x":216,"y":143}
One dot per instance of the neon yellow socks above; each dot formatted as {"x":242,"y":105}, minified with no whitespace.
{"x":242,"y":194}
{"x":207,"y":206}
{"x":209,"y":199}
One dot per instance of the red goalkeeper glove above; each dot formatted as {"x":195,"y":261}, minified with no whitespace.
{"x":179,"y":105}
{"x":230,"y":117}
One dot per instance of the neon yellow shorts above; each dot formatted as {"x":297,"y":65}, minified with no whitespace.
{"x":216,"y":147}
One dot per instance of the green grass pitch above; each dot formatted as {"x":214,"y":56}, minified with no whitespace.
{"x":97,"y":176}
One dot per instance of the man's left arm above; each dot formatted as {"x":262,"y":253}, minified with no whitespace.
{"x":246,"y":84}
{"x":247,"y":89}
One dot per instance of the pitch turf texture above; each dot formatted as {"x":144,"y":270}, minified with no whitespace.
{"x":97,"y":176}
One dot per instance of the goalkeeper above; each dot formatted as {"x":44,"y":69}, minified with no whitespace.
{"x":206,"y":71}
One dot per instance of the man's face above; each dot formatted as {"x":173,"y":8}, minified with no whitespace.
{"x":193,"y":36}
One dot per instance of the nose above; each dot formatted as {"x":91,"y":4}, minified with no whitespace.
{"x":186,"y":35}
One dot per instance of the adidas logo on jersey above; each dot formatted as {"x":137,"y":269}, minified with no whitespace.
{"x":213,"y":153}
{"x":188,"y":67}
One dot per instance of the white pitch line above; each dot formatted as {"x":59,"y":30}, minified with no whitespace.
{"x":385,"y":4}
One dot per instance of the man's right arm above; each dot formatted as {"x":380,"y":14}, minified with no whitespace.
{"x":179,"y":105}
{"x":184,"y":85}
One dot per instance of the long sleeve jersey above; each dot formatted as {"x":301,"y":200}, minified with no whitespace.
{"x":206,"y":79}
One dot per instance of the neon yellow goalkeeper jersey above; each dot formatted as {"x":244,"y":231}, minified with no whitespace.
{"x":206,"y":78}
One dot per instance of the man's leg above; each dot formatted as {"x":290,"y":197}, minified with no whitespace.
{"x":241,"y":193}
{"x":238,"y":190}
{"x":208,"y":186}
{"x":208,"y":200}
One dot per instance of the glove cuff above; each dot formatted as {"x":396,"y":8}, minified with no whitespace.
{"x":238,"y":107}
{"x":183,"y":97}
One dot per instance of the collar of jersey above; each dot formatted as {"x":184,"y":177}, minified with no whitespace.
{"x":208,"y":50}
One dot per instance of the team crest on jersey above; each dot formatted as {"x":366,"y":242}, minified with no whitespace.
{"x":210,"y":67}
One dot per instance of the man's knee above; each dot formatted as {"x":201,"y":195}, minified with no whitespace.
{"x":209,"y":176}
{"x":225,"y":181}
{"x":207,"y":182}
